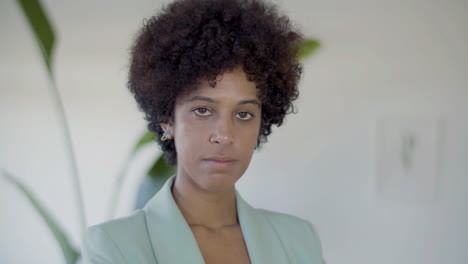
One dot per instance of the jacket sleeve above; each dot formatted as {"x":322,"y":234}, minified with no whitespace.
{"x":99,"y":247}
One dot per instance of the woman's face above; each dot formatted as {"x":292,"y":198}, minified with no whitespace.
{"x":216,"y":130}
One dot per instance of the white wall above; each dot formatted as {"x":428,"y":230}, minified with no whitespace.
{"x":378,"y":58}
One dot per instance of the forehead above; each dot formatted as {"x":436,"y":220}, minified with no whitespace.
{"x":232,"y":85}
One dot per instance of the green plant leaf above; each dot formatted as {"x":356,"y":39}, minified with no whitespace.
{"x":306,"y":48}
{"x":41,"y":28}
{"x":70,"y":254}
{"x":161,"y":169}
{"x":146,"y":138}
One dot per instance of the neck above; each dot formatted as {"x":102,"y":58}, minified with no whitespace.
{"x":202,"y":208}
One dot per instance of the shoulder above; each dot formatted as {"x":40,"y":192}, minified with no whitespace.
{"x":298,"y":235}
{"x":118,"y":240}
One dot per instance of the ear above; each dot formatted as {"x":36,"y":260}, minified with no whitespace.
{"x":167,"y":126}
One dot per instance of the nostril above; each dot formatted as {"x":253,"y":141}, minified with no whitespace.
{"x":221,"y":139}
{"x":214,"y":141}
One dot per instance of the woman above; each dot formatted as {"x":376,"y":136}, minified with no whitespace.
{"x":212,"y":77}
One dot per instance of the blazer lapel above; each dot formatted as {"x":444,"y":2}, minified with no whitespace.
{"x":262,"y":241}
{"x":171,"y":237}
{"x":173,"y":241}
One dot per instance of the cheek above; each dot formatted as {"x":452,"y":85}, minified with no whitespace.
{"x":250,"y":137}
{"x":252,"y":133}
{"x":247,"y":140}
{"x":189,"y":138}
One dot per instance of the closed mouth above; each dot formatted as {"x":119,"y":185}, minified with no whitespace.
{"x":221,"y":159}
{"x":220,"y":162}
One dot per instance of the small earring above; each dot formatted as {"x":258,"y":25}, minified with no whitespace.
{"x":166,"y":136}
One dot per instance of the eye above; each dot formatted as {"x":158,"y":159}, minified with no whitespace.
{"x":201,"y":111}
{"x":244,"y":116}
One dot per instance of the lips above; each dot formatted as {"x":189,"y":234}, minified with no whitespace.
{"x":220,"y":161}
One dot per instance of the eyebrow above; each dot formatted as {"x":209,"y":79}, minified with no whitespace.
{"x":211,"y":100}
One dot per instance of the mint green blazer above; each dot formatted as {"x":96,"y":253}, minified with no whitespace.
{"x":158,"y":233}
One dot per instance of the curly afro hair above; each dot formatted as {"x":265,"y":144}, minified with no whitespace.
{"x":196,"y":40}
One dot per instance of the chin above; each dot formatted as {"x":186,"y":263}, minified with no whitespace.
{"x":218,"y":181}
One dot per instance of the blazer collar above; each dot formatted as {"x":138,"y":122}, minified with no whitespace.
{"x":173,"y":241}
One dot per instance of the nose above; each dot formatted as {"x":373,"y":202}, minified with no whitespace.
{"x":223,"y":132}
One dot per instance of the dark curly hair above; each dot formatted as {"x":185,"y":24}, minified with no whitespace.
{"x":196,"y":40}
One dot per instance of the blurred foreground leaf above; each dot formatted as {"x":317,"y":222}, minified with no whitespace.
{"x":161,"y":169}
{"x":146,"y":138}
{"x":70,"y":254}
{"x":41,"y":28}
{"x":306,"y":48}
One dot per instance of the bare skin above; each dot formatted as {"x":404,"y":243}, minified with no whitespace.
{"x":214,"y":225}
{"x":225,"y":245}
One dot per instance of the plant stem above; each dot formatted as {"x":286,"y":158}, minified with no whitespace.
{"x":70,"y":153}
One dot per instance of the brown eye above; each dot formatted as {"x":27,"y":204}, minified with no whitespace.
{"x":244,"y":116}
{"x":201,"y":111}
